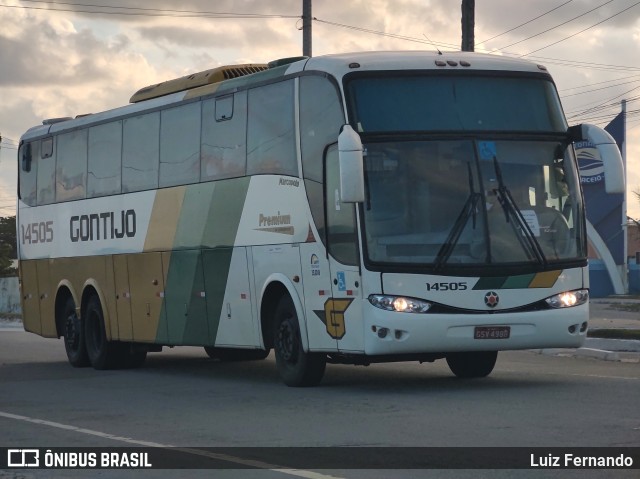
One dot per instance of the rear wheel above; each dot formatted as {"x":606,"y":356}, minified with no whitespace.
{"x":102,"y":353}
{"x":296,"y":368}
{"x":234,"y":354}
{"x":472,"y":364}
{"x":74,"y":343}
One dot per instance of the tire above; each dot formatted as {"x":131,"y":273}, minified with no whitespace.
{"x":103,"y":354}
{"x":472,"y":364}
{"x":295,"y":367}
{"x":234,"y":354}
{"x":74,"y":343}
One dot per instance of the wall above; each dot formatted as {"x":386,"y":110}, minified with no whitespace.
{"x":9,"y":296}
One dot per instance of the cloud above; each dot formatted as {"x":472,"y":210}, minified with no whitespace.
{"x":228,"y":36}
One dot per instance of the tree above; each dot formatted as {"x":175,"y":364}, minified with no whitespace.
{"x":8,"y":249}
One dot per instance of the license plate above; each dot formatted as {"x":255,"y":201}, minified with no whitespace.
{"x":492,"y":332}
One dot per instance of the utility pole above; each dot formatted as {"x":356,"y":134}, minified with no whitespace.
{"x":468,"y":24}
{"x":306,"y":28}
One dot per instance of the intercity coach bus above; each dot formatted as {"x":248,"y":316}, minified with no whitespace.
{"x":353,"y":208}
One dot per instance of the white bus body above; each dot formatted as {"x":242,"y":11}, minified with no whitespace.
{"x":447,"y":221}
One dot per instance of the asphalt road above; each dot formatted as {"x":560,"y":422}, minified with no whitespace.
{"x":182,"y":398}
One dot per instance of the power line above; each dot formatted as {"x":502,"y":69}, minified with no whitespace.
{"x":559,"y":25}
{"x":147,"y":12}
{"x":582,"y":31}
{"x":605,"y":103}
{"x":630,"y":113}
{"x":599,"y":83}
{"x":4,"y":138}
{"x":581,"y":64}
{"x":554,"y":61}
{"x":598,"y":89}
{"x":525,"y":23}
{"x":599,"y":108}
{"x":385,"y":34}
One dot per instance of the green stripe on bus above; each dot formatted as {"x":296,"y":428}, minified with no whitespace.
{"x":490,"y":282}
{"x":545,"y":279}
{"x":197,"y":276}
{"x":517,"y":282}
{"x":184,"y":301}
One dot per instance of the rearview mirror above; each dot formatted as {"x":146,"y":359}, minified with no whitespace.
{"x":351,"y":166}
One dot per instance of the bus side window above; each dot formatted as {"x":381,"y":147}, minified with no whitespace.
{"x":321,"y":117}
{"x":341,"y":219}
{"x":270,"y":130}
{"x":28,"y":171}
{"x":71,"y":168}
{"x":140,"y":152}
{"x":224,"y":108}
{"x":223,"y":149}
{"x":46,"y":173}
{"x":105,"y":159}
{"x":180,"y":145}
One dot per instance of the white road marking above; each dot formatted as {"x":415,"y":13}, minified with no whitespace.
{"x":222,"y":457}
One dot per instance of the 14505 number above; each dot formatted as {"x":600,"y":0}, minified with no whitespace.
{"x":443,"y":286}
{"x":34,"y":233}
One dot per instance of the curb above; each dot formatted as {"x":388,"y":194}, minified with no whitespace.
{"x":620,"y":350}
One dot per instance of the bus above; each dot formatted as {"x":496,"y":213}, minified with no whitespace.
{"x":351,"y":208}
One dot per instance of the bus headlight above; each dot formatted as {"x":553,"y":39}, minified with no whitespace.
{"x":399,"y":303}
{"x":568,"y":299}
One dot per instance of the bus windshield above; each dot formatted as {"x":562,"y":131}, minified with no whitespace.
{"x":469,"y":202}
{"x":454,"y":103}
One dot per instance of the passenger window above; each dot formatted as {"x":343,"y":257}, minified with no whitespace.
{"x":140,"y":152}
{"x":180,"y":145}
{"x":28,"y":172}
{"x":270,"y":132}
{"x":321,"y":117}
{"x":71,"y":168}
{"x":46,"y":173}
{"x":47,"y":148}
{"x":224,"y":108}
{"x":341,"y":220}
{"x":224,"y":143}
{"x":105,"y":159}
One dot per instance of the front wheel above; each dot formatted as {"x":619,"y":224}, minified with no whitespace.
{"x":296,"y":368}
{"x":472,"y":364}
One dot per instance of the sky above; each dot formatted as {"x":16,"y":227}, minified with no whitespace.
{"x":70,"y":57}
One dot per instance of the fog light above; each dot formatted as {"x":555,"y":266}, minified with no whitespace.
{"x":584,"y":327}
{"x":382,"y":333}
{"x":572,"y":328}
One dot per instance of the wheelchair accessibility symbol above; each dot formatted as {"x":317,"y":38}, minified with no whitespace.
{"x":487,"y":150}
{"x":342,"y":282}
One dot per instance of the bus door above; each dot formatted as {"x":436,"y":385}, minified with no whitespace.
{"x":344,"y":311}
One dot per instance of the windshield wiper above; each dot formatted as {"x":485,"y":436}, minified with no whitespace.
{"x":513,"y":215}
{"x":469,"y":209}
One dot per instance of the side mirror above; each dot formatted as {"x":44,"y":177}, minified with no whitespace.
{"x":351,"y":166}
{"x":614,"y":178}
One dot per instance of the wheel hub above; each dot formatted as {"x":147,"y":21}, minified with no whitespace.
{"x":72,"y":331}
{"x":286,"y":341}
